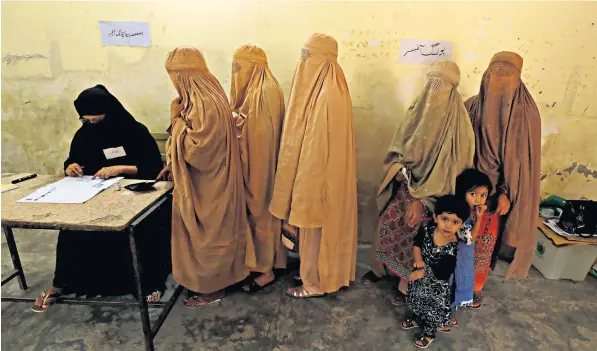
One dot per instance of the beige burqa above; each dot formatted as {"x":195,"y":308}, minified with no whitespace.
{"x":209,"y":221}
{"x":258,"y":108}
{"x":507,"y":128}
{"x":434,"y":142}
{"x":315,"y":187}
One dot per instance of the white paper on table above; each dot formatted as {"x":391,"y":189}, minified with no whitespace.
{"x":125,"y":33}
{"x":552,"y":224}
{"x":422,"y":51}
{"x":70,"y":190}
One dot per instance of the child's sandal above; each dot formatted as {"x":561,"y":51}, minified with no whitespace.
{"x":409,"y":324}
{"x":477,"y":302}
{"x":422,"y":342}
{"x":447,"y":328}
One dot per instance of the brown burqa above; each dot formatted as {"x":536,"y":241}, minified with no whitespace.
{"x":507,"y":129}
{"x":315,"y":183}
{"x":209,"y":221}
{"x":258,"y":107}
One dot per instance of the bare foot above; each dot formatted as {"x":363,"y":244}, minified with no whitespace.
{"x":154,"y":296}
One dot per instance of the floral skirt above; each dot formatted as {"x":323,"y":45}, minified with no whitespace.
{"x":395,"y":249}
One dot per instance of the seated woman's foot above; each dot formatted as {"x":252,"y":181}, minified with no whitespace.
{"x":200,"y":300}
{"x":254,"y":285}
{"x":46,"y":299}
{"x":154,"y":296}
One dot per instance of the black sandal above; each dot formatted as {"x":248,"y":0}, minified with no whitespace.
{"x":254,"y":287}
{"x":424,"y":342}
{"x":370,"y":278}
{"x":477,"y":301}
{"x":399,"y":299}
{"x":409,"y":324}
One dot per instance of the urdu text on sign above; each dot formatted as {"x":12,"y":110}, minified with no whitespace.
{"x":125,"y":33}
{"x":421,"y":51}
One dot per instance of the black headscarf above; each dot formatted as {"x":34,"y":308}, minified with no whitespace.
{"x":118,"y":129}
{"x":98,"y":101}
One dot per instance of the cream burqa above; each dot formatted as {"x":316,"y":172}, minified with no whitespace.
{"x":258,"y":108}
{"x":209,"y":221}
{"x":507,"y":129}
{"x":315,"y":187}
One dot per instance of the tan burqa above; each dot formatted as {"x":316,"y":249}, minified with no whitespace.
{"x":508,"y":149}
{"x":209,"y":221}
{"x":315,"y":183}
{"x":258,"y":107}
{"x":434,"y":142}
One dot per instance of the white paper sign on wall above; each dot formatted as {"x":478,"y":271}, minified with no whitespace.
{"x":125,"y":33}
{"x":422,"y":51}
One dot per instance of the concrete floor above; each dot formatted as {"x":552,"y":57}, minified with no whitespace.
{"x":535,"y":314}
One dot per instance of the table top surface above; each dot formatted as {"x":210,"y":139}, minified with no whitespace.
{"x":110,"y":210}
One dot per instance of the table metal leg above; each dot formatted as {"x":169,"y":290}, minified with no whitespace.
{"x":162,"y":318}
{"x":142,"y":301}
{"x":14,"y":254}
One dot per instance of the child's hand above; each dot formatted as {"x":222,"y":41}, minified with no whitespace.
{"x":419,"y":264}
{"x":416,"y":275}
{"x":480,"y":210}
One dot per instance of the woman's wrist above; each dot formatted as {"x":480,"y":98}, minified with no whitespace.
{"x":127,"y":170}
{"x":502,"y":190}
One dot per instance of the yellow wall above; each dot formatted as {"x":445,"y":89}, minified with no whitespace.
{"x":557,"y":40}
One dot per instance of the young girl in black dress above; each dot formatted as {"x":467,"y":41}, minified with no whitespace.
{"x":434,"y":251}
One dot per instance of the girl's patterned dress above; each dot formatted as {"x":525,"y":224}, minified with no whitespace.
{"x":429,"y":297}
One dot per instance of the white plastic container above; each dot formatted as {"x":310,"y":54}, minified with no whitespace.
{"x":563,"y":262}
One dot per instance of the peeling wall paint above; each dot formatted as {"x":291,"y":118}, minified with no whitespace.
{"x":52,"y":51}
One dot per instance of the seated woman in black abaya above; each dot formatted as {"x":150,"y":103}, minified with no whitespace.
{"x":110,"y":143}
